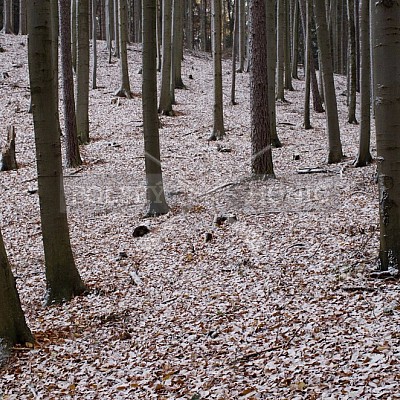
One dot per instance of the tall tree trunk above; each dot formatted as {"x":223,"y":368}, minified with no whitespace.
{"x":82,"y":71}
{"x":234,"y":50}
{"x":109,"y":25}
{"x":280,"y":92}
{"x":288,"y":69}
{"x":94,"y":41}
{"x":22,"y":17}
{"x":165,"y":102}
{"x":364,"y":156}
{"x":242,"y":34}
{"x":62,"y":278}
{"x":218,"y":110}
{"x":372,"y":41}
{"x":203,"y":25}
{"x":261,"y":153}
{"x":295,"y":44}
{"x":317,"y":100}
{"x":358,"y":56}
{"x":158,"y":37}
{"x":271,"y":70}
{"x":74,"y":28}
{"x":102,"y":23}
{"x":138,"y":20}
{"x":7,"y":16}
{"x":307,"y":58}
{"x":352,"y":71}
{"x":332,"y":120}
{"x":177,"y":43}
{"x":125,"y":88}
{"x":13,"y":327}
{"x":73,"y":158}
{"x":189,"y":24}
{"x":116,"y":29}
{"x":157,"y":204}
{"x":387,"y":122}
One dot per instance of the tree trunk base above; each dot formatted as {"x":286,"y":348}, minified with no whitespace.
{"x":8,"y":160}
{"x":335,"y":157}
{"x":122,"y":92}
{"x":276,"y":143}
{"x":64,"y":294}
{"x":156,"y":210}
{"x":363,"y":161}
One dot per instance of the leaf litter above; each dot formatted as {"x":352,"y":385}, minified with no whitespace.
{"x":275,"y":303}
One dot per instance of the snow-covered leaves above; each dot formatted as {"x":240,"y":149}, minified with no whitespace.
{"x":276,"y":304}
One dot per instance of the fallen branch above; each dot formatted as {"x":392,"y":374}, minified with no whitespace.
{"x":358,"y":289}
{"x":311,"y":170}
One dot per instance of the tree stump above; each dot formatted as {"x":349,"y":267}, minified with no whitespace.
{"x":8,"y":160}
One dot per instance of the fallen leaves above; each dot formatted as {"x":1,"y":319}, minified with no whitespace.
{"x":275,"y":303}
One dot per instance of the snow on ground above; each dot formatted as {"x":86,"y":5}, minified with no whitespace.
{"x":278,"y":305}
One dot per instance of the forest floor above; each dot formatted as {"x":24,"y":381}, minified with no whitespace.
{"x":279,"y":304}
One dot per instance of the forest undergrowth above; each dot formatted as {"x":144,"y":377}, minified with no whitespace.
{"x":275,"y":302}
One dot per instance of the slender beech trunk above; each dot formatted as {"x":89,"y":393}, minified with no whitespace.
{"x":7,"y":16}
{"x":82,"y":71}
{"x":22,"y":17}
{"x":332,"y":120}
{"x":364,"y":156}
{"x":158,"y":37}
{"x":94,"y":41}
{"x":73,"y":158}
{"x":352,"y":71}
{"x":74,"y":28}
{"x":62,"y":277}
{"x":189,"y":24}
{"x":165,"y":102}
{"x":317,"y":100}
{"x":116,"y":29}
{"x":307,"y":71}
{"x":295,"y":44}
{"x":125,"y":88}
{"x":218,"y":110}
{"x":55,"y":29}
{"x":234,"y":50}
{"x":203,"y":25}
{"x":177,"y":41}
{"x":271,"y":70}
{"x":387,"y":122}
{"x":157,"y":204}
{"x":280,"y":84}
{"x":242,"y":34}
{"x":288,"y":69}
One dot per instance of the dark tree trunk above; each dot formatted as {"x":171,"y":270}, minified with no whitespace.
{"x":73,"y":157}
{"x":332,"y":121}
{"x":364,"y":156}
{"x":157,"y":204}
{"x":261,"y":152}
{"x":13,"y":327}
{"x":62,"y":277}
{"x":387,"y":121}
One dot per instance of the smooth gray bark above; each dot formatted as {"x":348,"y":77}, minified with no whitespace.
{"x":332,"y":120}
{"x":62,"y":277}
{"x":364,"y":156}
{"x":387,"y":122}
{"x":157,"y":204}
